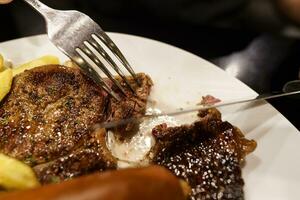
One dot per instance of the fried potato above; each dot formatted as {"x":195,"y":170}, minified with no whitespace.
{"x":45,"y":60}
{"x":15,"y":175}
{"x":70,"y":63}
{"x":6,"y":78}
{"x":1,"y":63}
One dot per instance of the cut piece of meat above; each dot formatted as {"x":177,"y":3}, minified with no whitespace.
{"x":132,"y":106}
{"x":47,"y":119}
{"x":209,"y":100}
{"x":207,"y":154}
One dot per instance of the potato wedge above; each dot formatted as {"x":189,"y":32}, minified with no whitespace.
{"x":15,"y":175}
{"x":45,"y":60}
{"x":6,"y":78}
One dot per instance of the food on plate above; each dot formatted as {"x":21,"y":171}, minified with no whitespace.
{"x":207,"y":154}
{"x":209,"y":100}
{"x":70,"y":63}
{"x":127,"y":184}
{"x":6,"y":78}
{"x":15,"y":175}
{"x":44,"y":60}
{"x":7,"y":74}
{"x":47,"y":120}
{"x":1,"y":63}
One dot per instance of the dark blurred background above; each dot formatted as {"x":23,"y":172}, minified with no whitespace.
{"x":256,"y":41}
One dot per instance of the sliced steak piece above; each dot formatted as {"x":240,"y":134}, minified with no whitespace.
{"x":132,"y":106}
{"x":47,"y":119}
{"x":207,"y":154}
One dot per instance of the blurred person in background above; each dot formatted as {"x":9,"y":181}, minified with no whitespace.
{"x":234,"y":13}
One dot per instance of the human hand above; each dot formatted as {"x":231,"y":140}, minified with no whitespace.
{"x":5,"y":1}
{"x":290,"y":8}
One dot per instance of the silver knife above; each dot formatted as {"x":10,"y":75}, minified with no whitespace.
{"x":262,"y":97}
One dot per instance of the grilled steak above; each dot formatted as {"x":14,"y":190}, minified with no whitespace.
{"x":46,"y":121}
{"x":207,"y":154}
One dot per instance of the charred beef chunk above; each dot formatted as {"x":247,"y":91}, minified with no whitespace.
{"x":46,"y":121}
{"x":132,"y":106}
{"x":207,"y":154}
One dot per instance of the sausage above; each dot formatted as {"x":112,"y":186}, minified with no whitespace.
{"x":148,"y":183}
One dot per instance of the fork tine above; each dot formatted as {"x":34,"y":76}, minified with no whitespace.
{"x":102,"y":36}
{"x":88,"y":51}
{"x":110,"y":61}
{"x":90,"y":71}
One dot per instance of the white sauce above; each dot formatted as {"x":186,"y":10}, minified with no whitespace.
{"x":132,"y":152}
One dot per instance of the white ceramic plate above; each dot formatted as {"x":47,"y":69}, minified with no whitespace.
{"x":181,"y":78}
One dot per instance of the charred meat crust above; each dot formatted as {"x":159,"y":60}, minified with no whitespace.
{"x":93,"y":156}
{"x":46,"y":121}
{"x":207,"y":154}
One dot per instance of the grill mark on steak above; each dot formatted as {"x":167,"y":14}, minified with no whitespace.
{"x":47,"y":118}
{"x":207,"y":154}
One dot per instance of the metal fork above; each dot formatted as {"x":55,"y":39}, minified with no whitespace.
{"x":80,"y":38}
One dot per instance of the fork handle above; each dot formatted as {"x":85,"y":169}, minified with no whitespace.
{"x":43,"y":9}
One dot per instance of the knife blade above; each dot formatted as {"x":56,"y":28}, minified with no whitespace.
{"x":262,"y":97}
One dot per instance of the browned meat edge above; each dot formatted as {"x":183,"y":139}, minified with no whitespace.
{"x":207,"y":154}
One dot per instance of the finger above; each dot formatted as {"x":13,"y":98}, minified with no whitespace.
{"x":5,"y":1}
{"x":290,"y":8}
